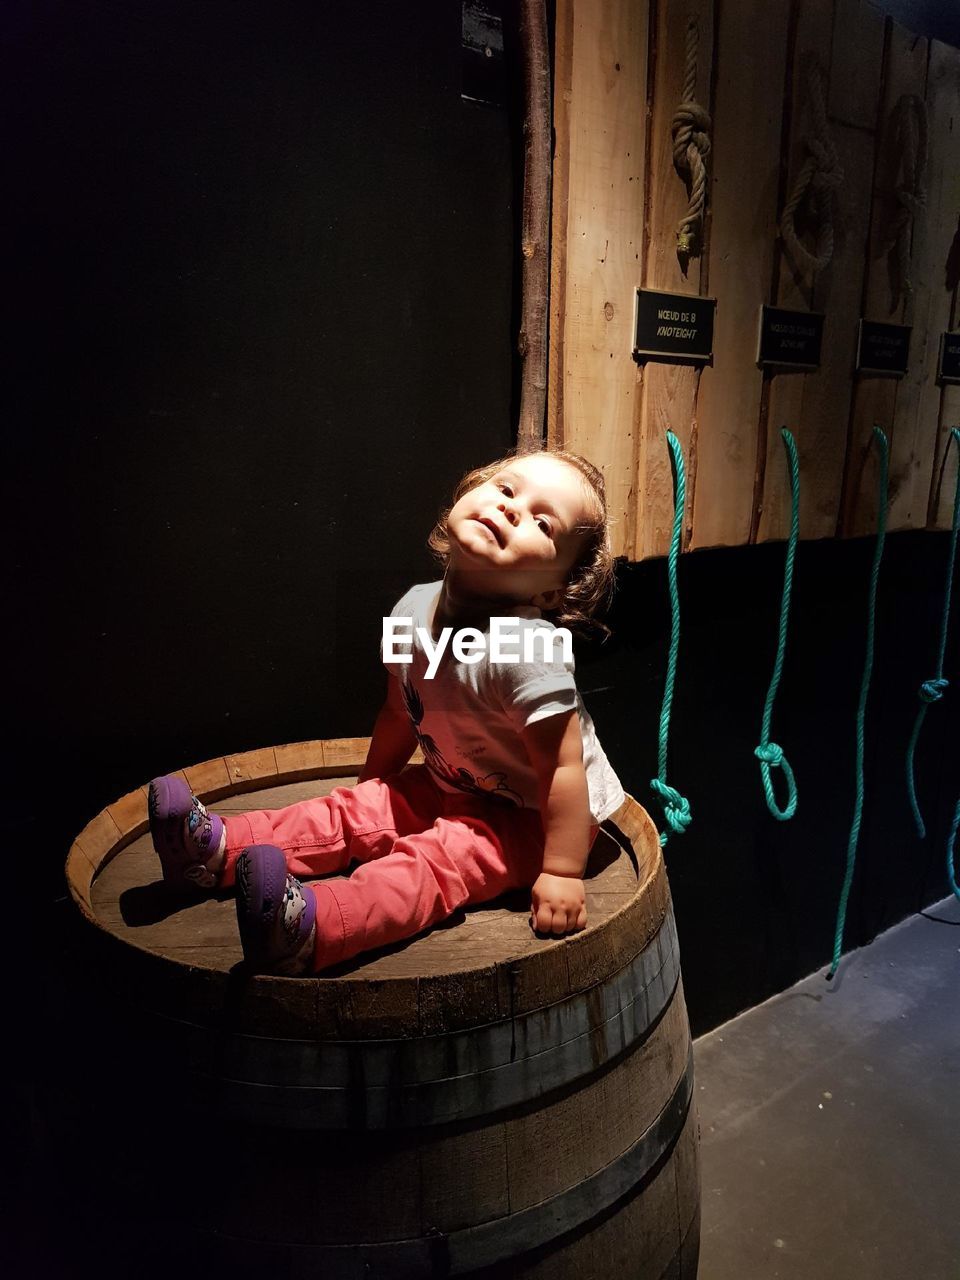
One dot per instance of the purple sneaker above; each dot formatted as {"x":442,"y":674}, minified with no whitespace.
{"x":185,"y":835}
{"x":276,"y":914}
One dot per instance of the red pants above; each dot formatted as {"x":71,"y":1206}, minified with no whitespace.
{"x":423,"y":853}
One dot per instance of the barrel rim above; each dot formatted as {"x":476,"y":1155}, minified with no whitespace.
{"x":125,"y":820}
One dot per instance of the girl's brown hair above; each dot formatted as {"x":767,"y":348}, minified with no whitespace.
{"x":589,"y":584}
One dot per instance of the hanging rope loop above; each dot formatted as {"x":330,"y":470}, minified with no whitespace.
{"x":676,"y":807}
{"x":690,"y":130}
{"x":771,"y":757}
{"x":819,"y":177}
{"x":770,"y":754}
{"x":933,"y":690}
{"x":880,"y":440}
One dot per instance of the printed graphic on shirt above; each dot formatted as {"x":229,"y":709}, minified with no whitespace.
{"x":491,"y":785}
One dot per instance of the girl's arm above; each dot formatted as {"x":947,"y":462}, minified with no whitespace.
{"x":393,"y":741}
{"x":555,"y":747}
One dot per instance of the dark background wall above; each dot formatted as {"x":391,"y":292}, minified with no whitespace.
{"x":266,"y":263}
{"x":264,"y":297}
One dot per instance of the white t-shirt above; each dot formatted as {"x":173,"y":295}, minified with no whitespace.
{"x":469,"y":716}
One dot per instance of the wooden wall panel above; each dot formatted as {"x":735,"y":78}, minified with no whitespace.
{"x":946,"y":467}
{"x":858,"y":34}
{"x":600,"y":121}
{"x":744,"y":188}
{"x":668,"y":391}
{"x":847,"y":39}
{"x":795,"y":287}
{"x":943,"y":106}
{"x":917,"y":413}
{"x":875,"y":398}
{"x":618,"y":200}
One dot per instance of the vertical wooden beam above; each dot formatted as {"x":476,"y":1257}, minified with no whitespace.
{"x":668,"y":396}
{"x":562,"y":96}
{"x":535,"y":236}
{"x":744,"y":184}
{"x":600,"y":122}
{"x":919,"y":399}
{"x":875,"y":398}
{"x":847,"y":38}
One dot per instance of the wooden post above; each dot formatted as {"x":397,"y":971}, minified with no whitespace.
{"x":743,"y":184}
{"x":668,"y":393}
{"x":920,"y":430}
{"x":535,"y":244}
{"x":600,"y":96}
{"x":875,"y":399}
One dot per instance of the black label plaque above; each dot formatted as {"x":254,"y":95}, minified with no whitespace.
{"x":791,"y":338}
{"x":676,"y":327}
{"x":949,"y":367}
{"x":883,"y":348}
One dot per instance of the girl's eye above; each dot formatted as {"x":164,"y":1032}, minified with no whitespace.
{"x":544,"y":525}
{"x":505,"y":489}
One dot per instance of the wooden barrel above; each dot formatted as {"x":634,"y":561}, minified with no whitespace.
{"x":475,"y":1100}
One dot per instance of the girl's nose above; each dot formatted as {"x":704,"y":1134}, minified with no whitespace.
{"x":509,"y":512}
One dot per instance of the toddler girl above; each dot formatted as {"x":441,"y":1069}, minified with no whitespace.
{"x":514,"y":783}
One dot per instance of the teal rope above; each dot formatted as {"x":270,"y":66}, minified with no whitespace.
{"x":951,"y":871}
{"x":881,"y":442}
{"x":769,"y":753}
{"x":676,"y":807}
{"x":933,"y":690}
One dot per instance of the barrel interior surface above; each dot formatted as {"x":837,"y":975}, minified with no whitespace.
{"x":476,"y":1101}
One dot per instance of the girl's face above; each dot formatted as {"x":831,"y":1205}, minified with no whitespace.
{"x":515,"y":536}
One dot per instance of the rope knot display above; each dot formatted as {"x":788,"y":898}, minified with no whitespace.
{"x":827,"y":174}
{"x":932,"y":690}
{"x":908,"y":146}
{"x":771,"y":754}
{"x":691,"y":145}
{"x":819,"y":177}
{"x":676,"y":807}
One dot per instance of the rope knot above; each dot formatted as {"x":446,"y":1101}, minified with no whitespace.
{"x":932,"y":690}
{"x":828,"y":173}
{"x":689,"y":130}
{"x":907,"y":142}
{"x":820,"y":175}
{"x":675,"y":806}
{"x":770,"y":754}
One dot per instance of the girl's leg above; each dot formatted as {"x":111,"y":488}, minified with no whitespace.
{"x":425,"y":878}
{"x":327,"y":833}
{"x":290,"y":928}
{"x":200,"y":849}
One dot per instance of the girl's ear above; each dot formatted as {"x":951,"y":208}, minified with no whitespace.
{"x":548,"y":599}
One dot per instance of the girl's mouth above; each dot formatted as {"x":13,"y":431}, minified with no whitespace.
{"x":492,"y":526}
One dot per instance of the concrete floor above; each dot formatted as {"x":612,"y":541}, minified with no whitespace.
{"x":830,"y":1120}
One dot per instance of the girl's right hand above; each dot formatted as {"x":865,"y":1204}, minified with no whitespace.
{"x":557,"y":904}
